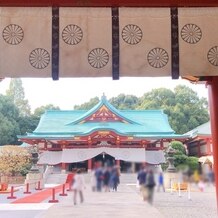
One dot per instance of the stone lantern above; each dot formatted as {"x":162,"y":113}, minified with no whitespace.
{"x":170,"y":153}
{"x":170,"y":176}
{"x":34,"y":177}
{"x":34,"y":159}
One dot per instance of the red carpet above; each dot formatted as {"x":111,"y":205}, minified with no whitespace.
{"x":39,"y":196}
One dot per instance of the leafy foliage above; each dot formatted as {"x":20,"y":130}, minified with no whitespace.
{"x":13,"y":159}
{"x":157,"y":99}
{"x":123,"y":102}
{"x":192,"y":163}
{"x":27,"y":124}
{"x":182,"y":161}
{"x":25,"y":169}
{"x":9,"y":127}
{"x":15,"y":116}
{"x":178,"y":146}
{"x":184,"y":108}
{"x":16,"y":93}
{"x":41,"y":110}
{"x":87,"y":105}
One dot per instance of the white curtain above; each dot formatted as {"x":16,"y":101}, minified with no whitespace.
{"x":137,"y":155}
{"x":92,"y":28}
{"x":77,"y":155}
{"x":86,"y":41}
{"x":127,"y":154}
{"x":25,"y":37}
{"x":154,"y":157}
{"x":50,"y":157}
{"x":198,"y":42}
{"x":151,"y":27}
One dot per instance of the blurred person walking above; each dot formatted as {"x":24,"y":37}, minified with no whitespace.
{"x":93,"y":181}
{"x":99,"y":178}
{"x":78,"y":186}
{"x":115,"y":178}
{"x":150,"y":184}
{"x":106,"y":179}
{"x":160,"y":182}
{"x":142,"y":180}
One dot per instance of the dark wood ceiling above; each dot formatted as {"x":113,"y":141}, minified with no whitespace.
{"x":110,"y":3}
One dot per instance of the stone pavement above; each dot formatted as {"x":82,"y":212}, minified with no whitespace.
{"x":124,"y":203}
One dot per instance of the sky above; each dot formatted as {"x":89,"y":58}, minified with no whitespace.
{"x":68,"y":92}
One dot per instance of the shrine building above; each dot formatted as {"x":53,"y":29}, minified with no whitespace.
{"x":200,"y":142}
{"x":79,"y":138}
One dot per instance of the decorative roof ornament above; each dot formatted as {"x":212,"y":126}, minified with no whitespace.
{"x":103,"y":97}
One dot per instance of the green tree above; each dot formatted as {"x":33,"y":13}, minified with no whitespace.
{"x":125,"y":102}
{"x":41,"y":110}
{"x":190,"y":110}
{"x":178,"y":146}
{"x":28,"y":124}
{"x":88,"y":105}
{"x":160,"y":98}
{"x":192,"y":163}
{"x":16,"y":93}
{"x":9,"y":116}
{"x":184,"y":108}
{"x":182,"y":160}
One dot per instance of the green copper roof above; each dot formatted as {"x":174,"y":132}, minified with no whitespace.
{"x":139,"y":123}
{"x":202,"y":130}
{"x":98,"y":106}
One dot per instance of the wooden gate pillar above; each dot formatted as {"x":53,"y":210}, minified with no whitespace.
{"x":213,"y":103}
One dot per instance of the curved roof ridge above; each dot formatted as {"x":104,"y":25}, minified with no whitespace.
{"x":63,"y":111}
{"x":102,"y":102}
{"x":152,"y":110}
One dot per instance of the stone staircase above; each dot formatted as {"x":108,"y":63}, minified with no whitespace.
{"x":56,"y":178}
{"x":60,"y":178}
{"x":128,"y":178}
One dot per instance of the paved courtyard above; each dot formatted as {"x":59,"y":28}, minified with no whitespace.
{"x":126,"y":203}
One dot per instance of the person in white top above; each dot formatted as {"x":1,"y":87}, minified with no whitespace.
{"x":78,"y":186}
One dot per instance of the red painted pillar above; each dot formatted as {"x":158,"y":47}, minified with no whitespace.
{"x":118,"y":145}
{"x":161,"y":144}
{"x":199,"y":149}
{"x":118,"y":163}
{"x":89,"y":165}
{"x":208,"y":146}
{"x":89,"y":160}
{"x":63,"y":167}
{"x":213,"y":101}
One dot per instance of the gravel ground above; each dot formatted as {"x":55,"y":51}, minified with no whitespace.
{"x":199,"y":204}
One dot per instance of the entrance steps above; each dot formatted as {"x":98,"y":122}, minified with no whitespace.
{"x":128,"y":178}
{"x":56,"y":178}
{"x":60,"y":178}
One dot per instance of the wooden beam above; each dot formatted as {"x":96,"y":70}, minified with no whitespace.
{"x":109,"y":3}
